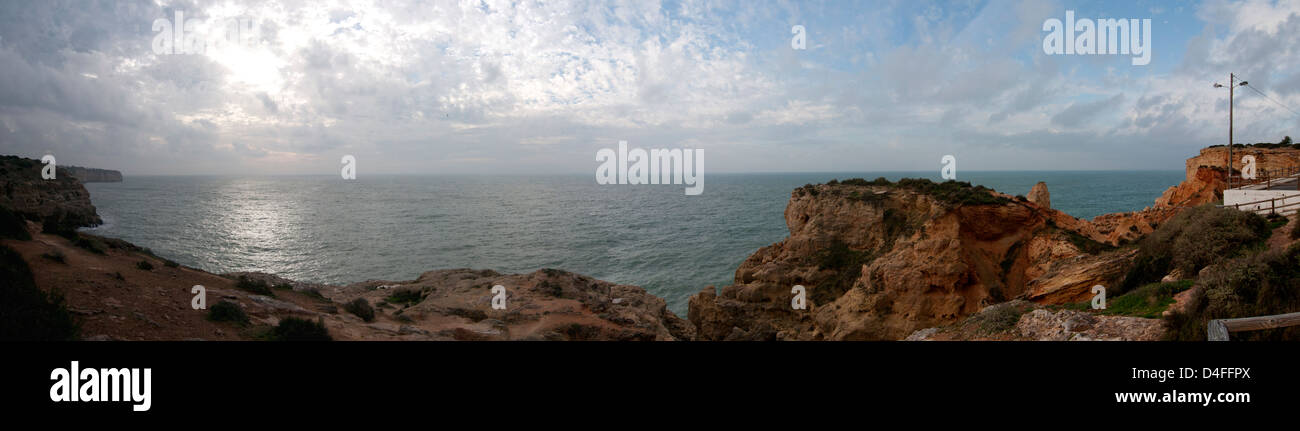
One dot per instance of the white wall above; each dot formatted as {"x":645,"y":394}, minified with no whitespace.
{"x":1235,"y":196}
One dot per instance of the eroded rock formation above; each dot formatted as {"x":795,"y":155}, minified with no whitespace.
{"x":26,"y":193}
{"x":881,"y":261}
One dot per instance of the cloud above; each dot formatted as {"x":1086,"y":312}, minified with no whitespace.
{"x":416,"y":87}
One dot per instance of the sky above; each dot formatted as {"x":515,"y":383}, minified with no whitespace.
{"x":499,"y":87}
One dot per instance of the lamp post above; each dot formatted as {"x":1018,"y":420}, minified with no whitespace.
{"x":1232,"y":84}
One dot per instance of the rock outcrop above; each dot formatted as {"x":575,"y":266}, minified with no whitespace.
{"x":1039,"y":195}
{"x":25,"y":193}
{"x":879,"y":261}
{"x":1022,"y":321}
{"x":548,"y":304}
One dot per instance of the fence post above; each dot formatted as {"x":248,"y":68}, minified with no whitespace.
{"x":1216,"y":331}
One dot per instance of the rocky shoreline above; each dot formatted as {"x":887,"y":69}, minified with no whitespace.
{"x":878,"y":260}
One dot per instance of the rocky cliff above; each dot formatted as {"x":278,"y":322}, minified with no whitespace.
{"x":92,"y":175}
{"x":879,"y":260}
{"x":23,"y":191}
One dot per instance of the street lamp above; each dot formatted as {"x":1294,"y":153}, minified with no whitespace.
{"x":1232,"y":84}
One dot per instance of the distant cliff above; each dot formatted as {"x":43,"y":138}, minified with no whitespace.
{"x":27,"y":194}
{"x":92,"y":175}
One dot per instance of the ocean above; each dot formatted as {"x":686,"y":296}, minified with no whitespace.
{"x":394,"y":227}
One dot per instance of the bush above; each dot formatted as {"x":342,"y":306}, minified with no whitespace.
{"x":26,"y":312}
{"x":170,"y":263}
{"x":1264,"y":284}
{"x":361,"y":308}
{"x":405,"y":296}
{"x":255,"y":286}
{"x":144,"y":265}
{"x":226,"y":311}
{"x":12,"y":226}
{"x":298,"y":329}
{"x":282,"y":286}
{"x":1194,"y":239}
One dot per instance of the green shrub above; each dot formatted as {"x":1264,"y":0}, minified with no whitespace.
{"x":846,"y":266}
{"x":298,"y":329}
{"x":1194,"y":239}
{"x":26,"y":312}
{"x":226,"y":311}
{"x":405,"y":296}
{"x":144,"y":265}
{"x":255,"y":286}
{"x":1264,"y":284}
{"x":361,"y":308}
{"x":12,"y":226}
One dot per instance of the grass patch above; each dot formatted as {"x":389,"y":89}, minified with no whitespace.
{"x":361,"y":308}
{"x":170,"y":263}
{"x":226,"y":311}
{"x":1148,"y":301}
{"x":144,"y":265}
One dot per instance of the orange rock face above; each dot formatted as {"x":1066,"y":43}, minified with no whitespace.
{"x":879,"y":262}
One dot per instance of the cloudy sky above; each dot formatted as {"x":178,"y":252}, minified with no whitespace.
{"x":502,"y":87}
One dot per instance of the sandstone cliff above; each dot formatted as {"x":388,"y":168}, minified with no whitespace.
{"x":29,"y":195}
{"x":881,"y":260}
{"x":92,"y":175}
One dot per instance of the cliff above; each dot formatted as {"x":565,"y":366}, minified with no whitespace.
{"x":34,"y":198}
{"x":92,"y":175}
{"x":880,"y":260}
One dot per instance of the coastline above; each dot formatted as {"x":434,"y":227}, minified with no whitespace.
{"x":1043,"y":254}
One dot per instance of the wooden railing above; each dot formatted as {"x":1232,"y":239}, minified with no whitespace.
{"x":1273,"y":206}
{"x":1267,"y":177}
{"x":1219,"y":328}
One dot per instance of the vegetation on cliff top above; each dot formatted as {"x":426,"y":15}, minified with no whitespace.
{"x":950,"y":192}
{"x":1194,"y":239}
{"x":1263,"y":284}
